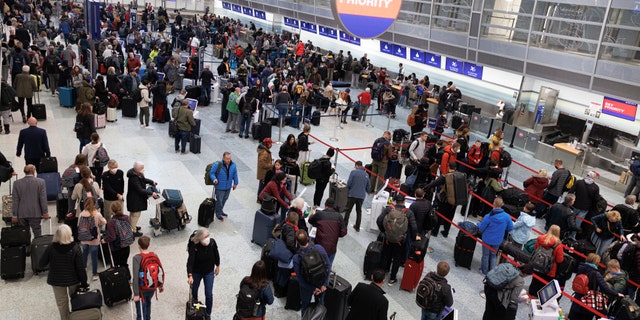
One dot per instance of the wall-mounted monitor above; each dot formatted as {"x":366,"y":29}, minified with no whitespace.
{"x":619,"y":108}
{"x":570,"y":125}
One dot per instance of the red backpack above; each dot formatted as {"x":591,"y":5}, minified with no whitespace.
{"x":151,"y":272}
{"x":580,"y":284}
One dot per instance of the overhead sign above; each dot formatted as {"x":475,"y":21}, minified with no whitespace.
{"x":345,"y":37}
{"x":386,"y":47}
{"x":619,"y":108}
{"x":248,"y":11}
{"x":454,"y":65}
{"x":366,"y":18}
{"x":433,"y":60}
{"x":236,"y":8}
{"x":309,"y":27}
{"x":416,"y":55}
{"x":289,"y":22}
{"x":473,"y":70}
{"x":400,"y":51}
{"x":226,"y":5}
{"x":328,"y":32}
{"x":260,"y":14}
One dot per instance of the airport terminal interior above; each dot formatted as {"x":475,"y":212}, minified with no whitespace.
{"x":573,"y":125}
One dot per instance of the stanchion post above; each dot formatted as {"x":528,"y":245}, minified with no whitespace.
{"x":335,"y":161}
{"x":388,"y":121}
{"x":370,"y":124}
{"x":466,"y":212}
{"x":335,"y":130}
{"x":280,"y":120}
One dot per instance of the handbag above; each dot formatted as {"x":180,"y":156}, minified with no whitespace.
{"x":596,"y":300}
{"x":280,"y":251}
{"x":268,"y":204}
{"x":5,"y":173}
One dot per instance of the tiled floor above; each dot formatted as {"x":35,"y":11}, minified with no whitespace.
{"x":32,"y":298}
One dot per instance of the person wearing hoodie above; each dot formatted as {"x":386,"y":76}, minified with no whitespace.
{"x":66,"y":268}
{"x":86,"y":93}
{"x":265,"y":162}
{"x":445,"y":296}
{"x":493,"y":227}
{"x":608,"y":226}
{"x":616,"y":277}
{"x":367,"y":301}
{"x":548,"y":241}
{"x":137,"y":194}
{"x":144,"y":104}
{"x":449,"y":155}
{"x":596,"y":282}
{"x":522,"y":227}
{"x":535,"y":185}
{"x":587,"y":194}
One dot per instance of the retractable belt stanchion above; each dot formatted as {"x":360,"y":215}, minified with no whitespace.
{"x":280,"y":121}
{"x":370,"y":124}
{"x":388,"y":121}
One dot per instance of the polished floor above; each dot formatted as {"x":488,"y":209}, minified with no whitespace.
{"x":31,"y":298}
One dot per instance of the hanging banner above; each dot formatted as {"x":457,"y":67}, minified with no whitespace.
{"x":366,"y":18}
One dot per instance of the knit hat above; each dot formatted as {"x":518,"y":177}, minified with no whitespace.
{"x":267,"y":141}
{"x":331,"y":152}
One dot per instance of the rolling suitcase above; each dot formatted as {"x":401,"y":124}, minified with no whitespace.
{"x":195,"y":143}
{"x":87,"y":314}
{"x":100,"y":120}
{"x":394,"y":169}
{"x":412,"y":275}
{"x":293,"y":294}
{"x":83,"y":300}
{"x":339,"y":192}
{"x":514,"y":251}
{"x":315,"y":118}
{"x":7,"y":205}
{"x":195,"y":310}
{"x":419,"y":248}
{"x":465,"y":245}
{"x":265,"y":130}
{"x":372,"y":258}
{"x":106,"y":261}
{"x":48,"y":164}
{"x":13,"y":262}
{"x":38,"y":247}
{"x":173,"y":128}
{"x":335,"y":297}
{"x":62,"y":205}
{"x":206,"y":212}
{"x":38,"y":110}
{"x":15,"y":236}
{"x":304,"y":173}
{"x":515,"y":197}
{"x":129,"y":107}
{"x":196,"y":129}
{"x":460,"y":192}
{"x":114,"y":282}
{"x":173,"y":197}
{"x":52,"y":184}
{"x":67,"y":97}
{"x":255,"y":131}
{"x":168,"y":217}
{"x":262,"y":227}
{"x":271,"y":263}
{"x":112,"y":114}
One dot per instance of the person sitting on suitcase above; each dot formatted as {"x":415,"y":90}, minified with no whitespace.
{"x":444,"y":296}
{"x":203,"y":264}
{"x":367,"y":301}
{"x":398,"y":225}
{"x":183,"y":116}
{"x":29,"y":207}
{"x":494,"y":226}
{"x":277,"y":189}
{"x":312,"y":267}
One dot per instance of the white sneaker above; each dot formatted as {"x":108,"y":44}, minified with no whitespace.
{"x":142,"y":126}
{"x":94,"y":278}
{"x":149,"y":128}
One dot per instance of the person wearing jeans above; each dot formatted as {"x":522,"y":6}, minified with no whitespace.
{"x":91,"y":246}
{"x":494,"y":226}
{"x":203,"y":264}
{"x":234,"y":111}
{"x":358,"y":185}
{"x":183,"y":117}
{"x":143,"y":304}
{"x":224,"y":180}
{"x":248,"y":106}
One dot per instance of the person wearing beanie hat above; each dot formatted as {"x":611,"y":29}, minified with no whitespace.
{"x":326,"y":169}
{"x":587,"y":194}
{"x":265,"y":162}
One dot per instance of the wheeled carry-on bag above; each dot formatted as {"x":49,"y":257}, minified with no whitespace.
{"x":412,"y":275}
{"x":173,"y":197}
{"x":372,"y":258}
{"x":112,"y":114}
{"x":206,"y":212}
{"x":195,"y":143}
{"x":263,"y":226}
{"x":52,"y":184}
{"x":195,"y":310}
{"x":13,"y":262}
{"x":168,"y":217}
{"x":38,"y":110}
{"x":67,"y":98}
{"x":465,"y":246}
{"x":335,"y":297}
{"x":129,"y":107}
{"x":304,"y":173}
{"x":100,"y":120}
{"x":38,"y":247}
{"x":15,"y":236}
{"x":293,"y":294}
{"x":114,"y":282}
{"x":7,"y":205}
{"x":339,"y":192}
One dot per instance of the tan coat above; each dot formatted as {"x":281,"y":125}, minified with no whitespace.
{"x":24,"y":85}
{"x":265,"y":162}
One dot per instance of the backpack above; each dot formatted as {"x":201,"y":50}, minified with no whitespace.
{"x":357,"y":68}
{"x":377,"y":151}
{"x":70,"y":177}
{"x":568,"y":184}
{"x":542,"y":259}
{"x":8,"y":95}
{"x":505,"y":159}
{"x":501,"y":275}
{"x":137,"y":95}
{"x":18,"y":62}
{"x":247,"y":301}
{"x":580,"y":284}
{"x":207,"y":176}
{"x":247,"y":106}
{"x":626,"y":255}
{"x":315,"y":169}
{"x":101,"y":157}
{"x":396,"y":225}
{"x":151,"y":274}
{"x":87,"y":229}
{"x":84,"y":197}
{"x":411,"y":120}
{"x":124,"y":235}
{"x":428,"y":292}
{"x":314,"y":268}
{"x":331,"y":63}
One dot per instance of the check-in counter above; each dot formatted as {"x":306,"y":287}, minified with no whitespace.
{"x":563,"y":151}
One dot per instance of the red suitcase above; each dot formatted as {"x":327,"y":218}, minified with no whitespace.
{"x":412,"y":275}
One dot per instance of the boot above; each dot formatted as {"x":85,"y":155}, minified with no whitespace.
{"x":6,"y":129}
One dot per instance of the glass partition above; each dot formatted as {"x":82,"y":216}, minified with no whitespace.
{"x":452,"y":15}
{"x":506,"y":20}
{"x":415,"y":12}
{"x":621,"y":39}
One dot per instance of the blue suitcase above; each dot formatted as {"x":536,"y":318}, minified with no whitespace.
{"x":173,"y":197}
{"x":262,"y":226}
{"x":67,"y":97}
{"x":52,"y":184}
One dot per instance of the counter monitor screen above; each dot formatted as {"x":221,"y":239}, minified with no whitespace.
{"x":572,"y":126}
{"x":549,"y":293}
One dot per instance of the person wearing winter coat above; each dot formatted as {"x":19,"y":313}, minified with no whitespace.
{"x":137,"y":194}
{"x":265,"y":161}
{"x":535,"y":185}
{"x":596,"y":282}
{"x":25,"y":86}
{"x":144,"y":104}
{"x":367,"y":301}
{"x":120,"y":254}
{"x":634,"y":185}
{"x":587,"y":194}
{"x":616,"y":277}
{"x":608,"y":227}
{"x":86,"y":93}
{"x":258,"y":281}
{"x":502,"y":304}
{"x":493,"y":227}
{"x":548,"y":240}
{"x":277,"y":188}
{"x":522,"y":227}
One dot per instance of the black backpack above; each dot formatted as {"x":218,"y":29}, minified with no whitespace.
{"x":247,"y":301}
{"x":542,"y":259}
{"x":377,"y":151}
{"x":137,"y":95}
{"x":314,"y":267}
{"x":315,"y":169}
{"x":357,"y":68}
{"x":505,"y":159}
{"x":8,"y":95}
{"x":247,"y":106}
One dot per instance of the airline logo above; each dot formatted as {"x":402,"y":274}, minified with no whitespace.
{"x":366,"y":18}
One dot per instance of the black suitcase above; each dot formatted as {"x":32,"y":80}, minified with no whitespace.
{"x":196,"y":129}
{"x":15,"y":236}
{"x":39,"y":111}
{"x":271,"y":264}
{"x":293,"y":295}
{"x":419,"y":248}
{"x":583,"y":246}
{"x":195,"y":143}
{"x":262,"y":226}
{"x":255,"y":131}
{"x":193,"y":92}
{"x":514,"y":251}
{"x":335,"y":297}
{"x":115,"y":285}
{"x":456,"y":122}
{"x":106,"y":260}
{"x":206,"y":212}
{"x":195,"y":310}
{"x":13,"y":262}
{"x":168,"y":217}
{"x":460,"y":191}
{"x":173,"y":129}
{"x":129,"y":107}
{"x":48,"y":164}
{"x":515,"y":197}
{"x":354,"y":114}
{"x":62,"y":206}
{"x":464,"y":249}
{"x":265,"y":130}
{"x":339,"y":192}
{"x":372,"y":258}
{"x":38,"y":247}
{"x":83,"y":300}
{"x":394,"y":169}
{"x":315,"y":118}
{"x":73,"y":224}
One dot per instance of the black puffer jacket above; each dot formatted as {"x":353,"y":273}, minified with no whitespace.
{"x":66,"y":267}
{"x":137,"y":194}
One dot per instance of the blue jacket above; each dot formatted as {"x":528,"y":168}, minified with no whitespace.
{"x":635,"y":167}
{"x":522,"y":227}
{"x":35,"y":142}
{"x":494,"y":226}
{"x":304,"y":285}
{"x":227,"y":177}
{"x":358,"y":184}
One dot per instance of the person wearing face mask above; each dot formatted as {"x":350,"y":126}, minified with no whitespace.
{"x":203,"y":264}
{"x":112,"y":186}
{"x":138,"y":194}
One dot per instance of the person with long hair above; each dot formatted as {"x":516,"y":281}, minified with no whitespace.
{"x":258,"y":282}
{"x":288,"y":235}
{"x":120,"y":253}
{"x":548,"y":241}
{"x":277,"y":188}
{"x":91,"y":150}
{"x":203,"y":264}
{"x":91,"y":214}
{"x":85,"y":125}
{"x":85,"y":187}
{"x":596,"y":282}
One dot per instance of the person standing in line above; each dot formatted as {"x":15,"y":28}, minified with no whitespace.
{"x":561,"y":214}
{"x":247,"y":105}
{"x":358,"y":184}
{"x":84,"y":125}
{"x":421,"y":209}
{"x":445,"y":296}
{"x":29,"y":198}
{"x":303,"y":145}
{"x":549,"y":241}
{"x":634,"y":185}
{"x":587,"y":194}
{"x":137,"y":194}
{"x":142,"y":297}
{"x":502,"y":304}
{"x":555,"y":188}
{"x":494,"y":226}
{"x":330,"y":228}
{"x":90,"y":150}
{"x":66,"y":270}
{"x":367,"y":301}
{"x":206,"y":78}
{"x":203,"y":265}
{"x":233,"y":110}
{"x":364,"y":99}
{"x":85,"y":188}
{"x":381,"y":152}
{"x":224,"y":180}
{"x":522,"y":227}
{"x":112,"y":187}
{"x":258,"y":281}
{"x":307,"y":289}
{"x":144,"y":103}
{"x":91,"y":213}
{"x":120,"y":253}
{"x":183,"y":116}
{"x":629,"y":214}
{"x":265,"y":163}
{"x":327,"y":170}
{"x":35,"y":142}
{"x":596,"y":282}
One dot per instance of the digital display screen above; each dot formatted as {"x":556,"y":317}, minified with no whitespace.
{"x":193,"y":104}
{"x":547,"y":293}
{"x":619,"y":108}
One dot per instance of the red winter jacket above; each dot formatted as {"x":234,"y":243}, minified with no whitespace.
{"x":274,"y":189}
{"x":447,"y":157}
{"x":558,"y":253}
{"x":474,"y":155}
{"x":535,"y":186}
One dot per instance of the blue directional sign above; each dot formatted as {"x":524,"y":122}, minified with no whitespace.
{"x":473,"y":70}
{"x":307,"y":26}
{"x":416,"y":55}
{"x":260,"y":14}
{"x":400,"y":51}
{"x":386,"y":47}
{"x":328,"y":32}
{"x":290,"y":22}
{"x":433,"y":60}
{"x":454,"y":65}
